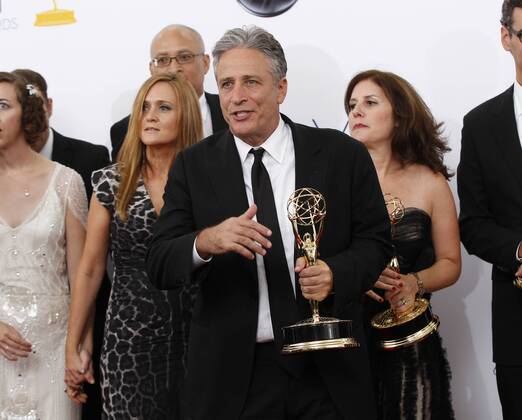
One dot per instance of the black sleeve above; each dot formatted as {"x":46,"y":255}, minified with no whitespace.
{"x":480,"y":232}
{"x":169,"y":259}
{"x":356,"y":269}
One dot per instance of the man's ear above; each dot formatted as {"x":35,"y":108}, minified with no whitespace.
{"x":206,"y":62}
{"x":505,"y":38}
{"x":49,"y":107}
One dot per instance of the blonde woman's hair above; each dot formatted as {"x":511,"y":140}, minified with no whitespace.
{"x":132,"y":158}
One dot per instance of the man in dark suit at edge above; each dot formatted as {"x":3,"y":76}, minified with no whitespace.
{"x":179,"y":49}
{"x":489,"y":180}
{"x":84,"y":158}
{"x":210,"y":232}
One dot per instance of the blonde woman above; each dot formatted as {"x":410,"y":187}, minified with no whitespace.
{"x":141,"y":361}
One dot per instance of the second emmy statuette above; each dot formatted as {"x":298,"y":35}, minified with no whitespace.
{"x":307,"y":211}
{"x":401,"y":330}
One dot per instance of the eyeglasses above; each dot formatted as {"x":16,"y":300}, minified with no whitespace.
{"x":518,"y":34}
{"x":182,"y":58}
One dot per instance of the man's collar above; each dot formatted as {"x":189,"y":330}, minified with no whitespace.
{"x":203,"y":101}
{"x":274,"y":145}
{"x":517,"y":98}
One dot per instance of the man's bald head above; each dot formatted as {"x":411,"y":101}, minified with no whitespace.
{"x":174,"y":40}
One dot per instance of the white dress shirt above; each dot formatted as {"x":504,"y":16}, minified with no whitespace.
{"x":279,"y":161}
{"x":47,"y":150}
{"x":205,"y":116}
{"x":517,"y":102}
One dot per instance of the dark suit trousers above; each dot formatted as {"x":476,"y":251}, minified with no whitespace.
{"x":275,"y":395}
{"x":509,"y":381}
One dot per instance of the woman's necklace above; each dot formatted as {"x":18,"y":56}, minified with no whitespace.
{"x":25,"y":188}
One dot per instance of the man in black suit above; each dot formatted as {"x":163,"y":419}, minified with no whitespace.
{"x":241,"y":254}
{"x":84,"y":158}
{"x":490,"y":190}
{"x":179,"y":49}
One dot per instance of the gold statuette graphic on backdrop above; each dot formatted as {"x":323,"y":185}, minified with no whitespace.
{"x":307,"y":211}
{"x":405,"y":329}
{"x":55,"y":17}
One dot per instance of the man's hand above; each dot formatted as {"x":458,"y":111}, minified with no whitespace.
{"x":241,"y":235}
{"x":316,"y":280}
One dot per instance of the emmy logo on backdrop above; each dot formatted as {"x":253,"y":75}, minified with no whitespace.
{"x":55,"y":17}
{"x":266,"y":8}
{"x":307,"y":211}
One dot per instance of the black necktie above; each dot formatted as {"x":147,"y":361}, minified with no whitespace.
{"x":283,"y":308}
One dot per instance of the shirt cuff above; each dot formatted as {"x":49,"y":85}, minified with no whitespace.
{"x":197,"y":261}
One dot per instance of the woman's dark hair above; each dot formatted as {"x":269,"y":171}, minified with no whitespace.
{"x":417,"y":137}
{"x":34,"y":119}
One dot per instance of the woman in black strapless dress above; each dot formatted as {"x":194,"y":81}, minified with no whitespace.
{"x":405,"y":143}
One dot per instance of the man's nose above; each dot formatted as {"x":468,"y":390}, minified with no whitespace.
{"x":175,"y":67}
{"x":238,"y":94}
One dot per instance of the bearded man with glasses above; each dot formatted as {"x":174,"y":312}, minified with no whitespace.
{"x":489,"y":180}
{"x":179,"y":49}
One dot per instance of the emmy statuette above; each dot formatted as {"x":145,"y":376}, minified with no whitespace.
{"x":401,"y":330}
{"x":307,"y":211}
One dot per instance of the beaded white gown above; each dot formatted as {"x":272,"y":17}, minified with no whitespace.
{"x":34,"y":299}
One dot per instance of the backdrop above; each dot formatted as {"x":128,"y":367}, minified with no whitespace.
{"x":449,"y":50}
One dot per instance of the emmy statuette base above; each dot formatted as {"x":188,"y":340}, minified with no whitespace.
{"x":325,"y":334}
{"x":403,"y":331}
{"x":55,"y":17}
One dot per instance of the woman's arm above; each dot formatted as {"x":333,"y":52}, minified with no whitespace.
{"x":85,"y":286}
{"x":446,"y":242}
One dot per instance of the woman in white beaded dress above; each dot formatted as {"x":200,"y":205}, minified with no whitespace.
{"x":42,"y":231}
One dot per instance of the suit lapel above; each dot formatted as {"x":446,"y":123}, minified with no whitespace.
{"x":310,"y":171}
{"x":310,"y":158}
{"x":228,"y":182}
{"x":505,"y":131}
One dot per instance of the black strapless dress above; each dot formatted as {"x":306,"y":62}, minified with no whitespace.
{"x":412,"y":383}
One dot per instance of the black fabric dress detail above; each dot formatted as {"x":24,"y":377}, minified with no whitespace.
{"x":412,"y":383}
{"x":141,"y":361}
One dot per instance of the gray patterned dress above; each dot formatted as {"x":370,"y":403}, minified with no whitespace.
{"x":140,"y":361}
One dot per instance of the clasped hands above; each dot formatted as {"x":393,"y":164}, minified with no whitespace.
{"x":246,"y":237}
{"x":78,"y":370}
{"x":400,"y":290}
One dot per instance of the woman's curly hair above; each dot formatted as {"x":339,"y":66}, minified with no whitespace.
{"x":34,"y":118}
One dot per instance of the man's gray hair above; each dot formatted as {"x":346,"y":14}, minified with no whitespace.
{"x":507,"y":13}
{"x":256,"y":38}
